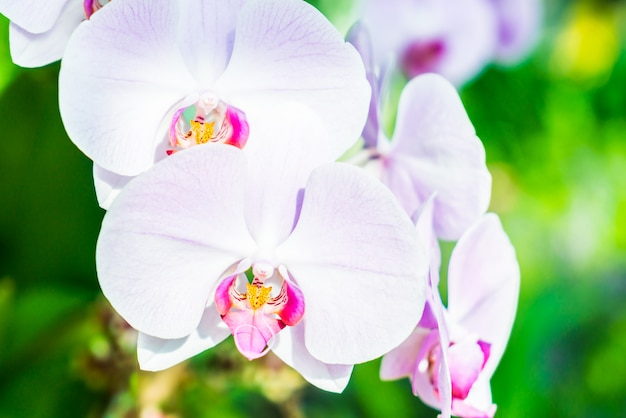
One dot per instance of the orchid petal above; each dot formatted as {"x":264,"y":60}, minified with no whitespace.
{"x":223,"y":302}
{"x":122,"y":72}
{"x":170,"y":235}
{"x":436,"y":390}
{"x":465,"y":30}
{"x":463,"y":409}
{"x":426,"y":232}
{"x":436,"y":149}
{"x":206,"y":35}
{"x":156,"y":354}
{"x":289,"y":346}
{"x":428,"y":320}
{"x":478,"y":403}
{"x":444,"y":380}
{"x":422,"y":379}
{"x":401,"y":361}
{"x":34,"y":16}
{"x":293,"y":311}
{"x":360,"y":38}
{"x":519,"y":28}
{"x":470,"y":39}
{"x":465,"y":362}
{"x":35,"y":49}
{"x":393,"y":23}
{"x":277,"y":172}
{"x":296,"y":55}
{"x":355,"y":256}
{"x":108,"y":185}
{"x":483,"y":285}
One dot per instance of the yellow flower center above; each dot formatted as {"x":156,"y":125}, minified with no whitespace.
{"x":202,"y":132}
{"x":257,"y":295}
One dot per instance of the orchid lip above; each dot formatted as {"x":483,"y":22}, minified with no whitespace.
{"x":254,"y":310}
{"x":209,"y":119}
{"x":466,"y":360}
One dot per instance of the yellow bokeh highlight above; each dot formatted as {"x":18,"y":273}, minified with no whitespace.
{"x":587,"y":47}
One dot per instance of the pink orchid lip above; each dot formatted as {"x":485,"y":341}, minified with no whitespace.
{"x":255,"y":315}
{"x":421,"y":57}
{"x":92,"y":6}
{"x":213,"y":121}
{"x":466,"y":360}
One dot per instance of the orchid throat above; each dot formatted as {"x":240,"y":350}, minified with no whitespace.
{"x":208,"y":120}
{"x":254,"y":311}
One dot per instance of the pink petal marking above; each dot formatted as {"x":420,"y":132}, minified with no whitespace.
{"x":293,"y":310}
{"x":239,"y":127}
{"x":222,"y":295}
{"x":486,"y":349}
{"x":174,"y":132}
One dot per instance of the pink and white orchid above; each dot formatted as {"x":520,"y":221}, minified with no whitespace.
{"x":316,"y":262}
{"x":519,"y":24}
{"x":433,"y":149}
{"x":40,"y":29}
{"x":453,"y":38}
{"x":452,"y":354}
{"x":143,"y":79}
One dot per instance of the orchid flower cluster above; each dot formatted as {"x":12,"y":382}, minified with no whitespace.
{"x":216,"y":129}
{"x":454,"y":38}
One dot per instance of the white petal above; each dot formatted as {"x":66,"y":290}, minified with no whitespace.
{"x":483,"y":285}
{"x":108,"y":185}
{"x":480,"y":395}
{"x":436,"y":150}
{"x":401,"y":361}
{"x":156,"y":354}
{"x":520,"y":22}
{"x":467,"y":29}
{"x":393,"y":23}
{"x":356,"y":257}
{"x":122,"y":73}
{"x":359,"y":36}
{"x":34,"y":16}
{"x":445,"y":380}
{"x":29,"y":49}
{"x":471,"y":38}
{"x":206,"y":36}
{"x":289,"y":346}
{"x":170,"y":235}
{"x":285,"y":50}
{"x":426,"y":233}
{"x":279,"y":169}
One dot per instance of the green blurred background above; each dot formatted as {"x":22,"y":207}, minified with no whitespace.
{"x":554,"y":128}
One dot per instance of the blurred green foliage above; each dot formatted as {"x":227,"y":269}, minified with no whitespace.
{"x":554,"y":128}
